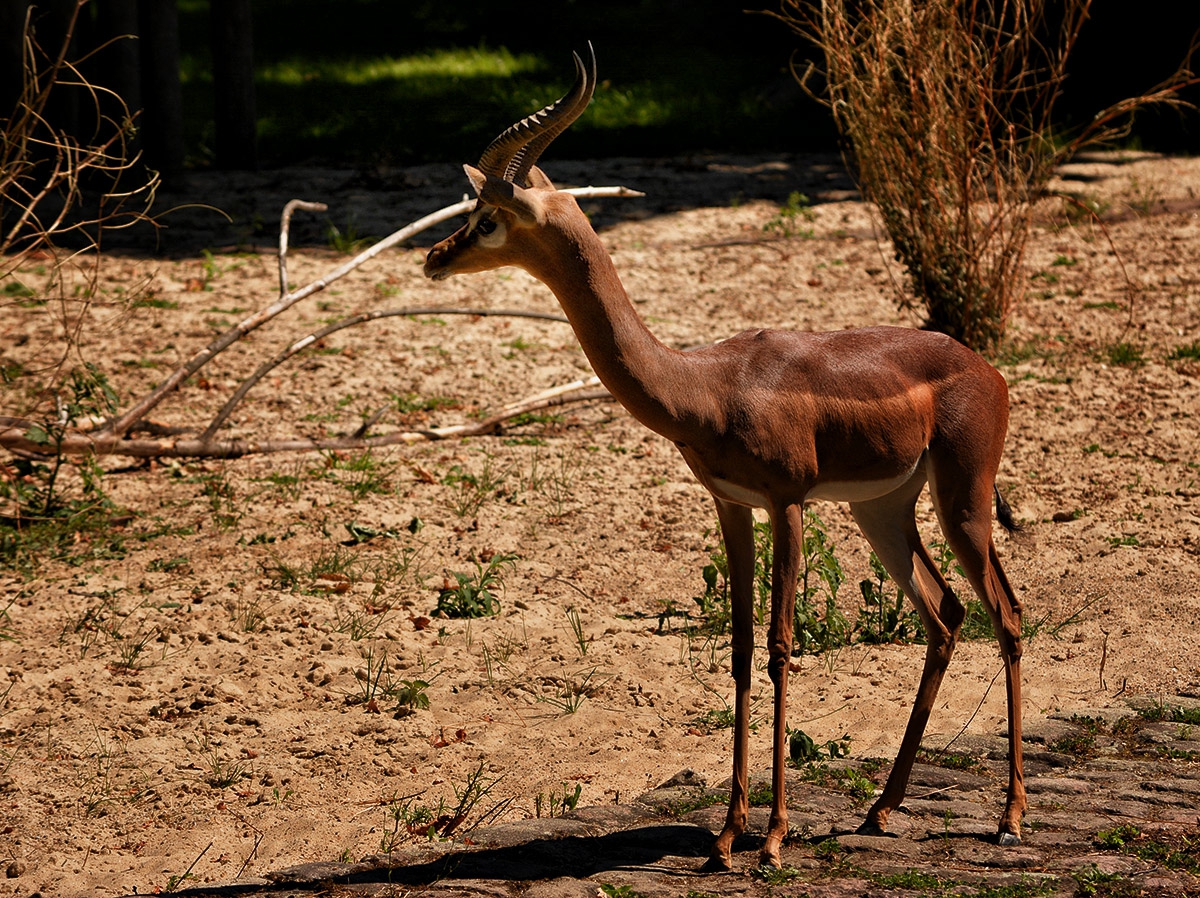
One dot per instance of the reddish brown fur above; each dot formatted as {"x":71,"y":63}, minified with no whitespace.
{"x":771,"y":418}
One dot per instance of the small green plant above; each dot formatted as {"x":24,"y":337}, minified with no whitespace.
{"x":714,"y":719}
{"x":473,"y":490}
{"x":558,"y":485}
{"x":411,"y":406}
{"x":288,"y":485}
{"x":816,"y":633}
{"x":8,"y":632}
{"x":361,"y":473}
{"x":613,"y":891}
{"x":211,"y":269}
{"x":883,"y":618}
{"x":359,"y":623}
{"x":248,"y":612}
{"x":376,"y":685}
{"x":55,"y":507}
{"x":1117,"y":837}
{"x":951,"y":760}
{"x":222,"y":498}
{"x":803,"y":749}
{"x":410,"y":694}
{"x":90,"y":626}
{"x":406,"y":819}
{"x":1025,"y":888}
{"x":780,"y":876}
{"x":557,"y":805}
{"x":1160,"y":710}
{"x":1124,"y":354}
{"x":844,"y":779}
{"x":131,"y":646}
{"x":397,"y":567}
{"x":345,"y":240}
{"x":573,"y":692}
{"x":582,"y":642}
{"x":1092,"y":882}
{"x":697,"y":802}
{"x":474,"y":594}
{"x":220,"y":772}
{"x":977,"y":623}
{"x":911,"y":880}
{"x":333,"y":570}
{"x":1187,"y":352}
{"x":786,"y":223}
{"x":760,"y":795}
{"x":372,"y":680}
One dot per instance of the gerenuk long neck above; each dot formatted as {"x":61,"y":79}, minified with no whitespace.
{"x":651,"y":380}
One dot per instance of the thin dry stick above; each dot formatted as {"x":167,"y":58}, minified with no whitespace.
{"x":1103,"y":661}
{"x":192,"y":865}
{"x":304,"y":342}
{"x":285,"y":225}
{"x":974,"y":714}
{"x":119,"y":426}
{"x":14,"y":436}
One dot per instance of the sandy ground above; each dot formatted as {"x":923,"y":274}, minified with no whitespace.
{"x":188,"y":698}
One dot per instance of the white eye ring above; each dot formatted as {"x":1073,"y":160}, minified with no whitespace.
{"x":490,"y":232}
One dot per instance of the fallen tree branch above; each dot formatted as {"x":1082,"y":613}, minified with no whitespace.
{"x":120,"y":425}
{"x":14,"y":433}
{"x":111,"y":436}
{"x":304,"y":342}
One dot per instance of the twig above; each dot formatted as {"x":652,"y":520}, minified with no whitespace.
{"x":304,"y":342}
{"x":258,"y":837}
{"x":974,"y":713}
{"x":16,"y":439}
{"x":119,"y":426}
{"x":188,"y":871}
{"x":285,"y":224}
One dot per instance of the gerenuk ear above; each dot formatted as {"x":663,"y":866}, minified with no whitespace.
{"x":524,"y":204}
{"x":538,"y":179}
{"x":476,"y":177}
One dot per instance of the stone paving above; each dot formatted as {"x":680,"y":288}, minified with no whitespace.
{"x":1114,"y":810}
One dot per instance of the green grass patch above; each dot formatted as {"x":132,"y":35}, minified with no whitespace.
{"x":1173,"y":850}
{"x":1188,"y":352}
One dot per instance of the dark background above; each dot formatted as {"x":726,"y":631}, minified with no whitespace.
{"x":677,"y":76}
{"x":722,"y":73}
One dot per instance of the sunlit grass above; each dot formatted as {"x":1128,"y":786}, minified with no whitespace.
{"x":636,"y":106}
{"x":350,"y":104}
{"x":478,"y":62}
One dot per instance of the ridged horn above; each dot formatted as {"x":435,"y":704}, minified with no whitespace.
{"x":511,"y":155}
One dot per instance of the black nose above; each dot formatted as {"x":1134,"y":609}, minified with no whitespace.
{"x":433,"y":262}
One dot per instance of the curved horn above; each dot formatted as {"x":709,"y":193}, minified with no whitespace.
{"x":511,"y":155}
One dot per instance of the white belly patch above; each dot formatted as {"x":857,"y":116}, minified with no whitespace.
{"x":833,"y":490}
{"x":732,"y":492}
{"x":860,"y":490}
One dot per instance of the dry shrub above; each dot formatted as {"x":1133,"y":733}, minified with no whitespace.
{"x":945,"y":109}
{"x":68,"y":174}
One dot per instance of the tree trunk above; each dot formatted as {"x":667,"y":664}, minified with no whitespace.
{"x":233,"y":83}
{"x":162,"y":93}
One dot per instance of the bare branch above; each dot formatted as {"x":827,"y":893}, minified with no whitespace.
{"x":119,"y":426}
{"x":14,"y":433}
{"x":285,"y":224}
{"x":304,"y":342}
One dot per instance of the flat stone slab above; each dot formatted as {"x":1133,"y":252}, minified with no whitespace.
{"x":1121,"y":811}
